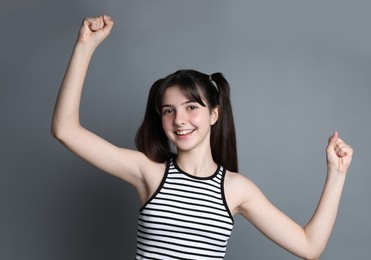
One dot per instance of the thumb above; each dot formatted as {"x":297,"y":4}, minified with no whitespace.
{"x":332,"y":140}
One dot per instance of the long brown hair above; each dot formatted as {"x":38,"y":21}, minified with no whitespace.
{"x":151,"y":139}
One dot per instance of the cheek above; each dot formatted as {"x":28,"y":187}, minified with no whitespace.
{"x":202,"y":120}
{"x":166,"y":123}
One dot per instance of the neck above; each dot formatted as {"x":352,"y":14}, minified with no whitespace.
{"x":196,"y":164}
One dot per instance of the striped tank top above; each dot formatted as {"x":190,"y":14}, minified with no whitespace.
{"x":186,"y":218}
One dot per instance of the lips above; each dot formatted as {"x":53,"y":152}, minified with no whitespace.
{"x":183,"y":132}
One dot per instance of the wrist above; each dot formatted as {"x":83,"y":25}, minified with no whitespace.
{"x":84,"y":48}
{"x":335,"y":173}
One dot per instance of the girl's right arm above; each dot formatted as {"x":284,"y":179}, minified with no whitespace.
{"x":126,"y":164}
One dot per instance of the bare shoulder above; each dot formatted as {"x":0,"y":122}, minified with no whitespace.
{"x":151,"y":170}
{"x":238,"y":190}
{"x":138,"y":162}
{"x":153,"y":173}
{"x":237,"y":181}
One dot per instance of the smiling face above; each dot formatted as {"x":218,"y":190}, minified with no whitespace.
{"x":186,"y":123}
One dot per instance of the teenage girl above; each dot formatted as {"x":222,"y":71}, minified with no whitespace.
{"x":185,"y":169}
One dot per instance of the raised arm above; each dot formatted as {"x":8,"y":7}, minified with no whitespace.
{"x":308,"y":242}
{"x":319,"y":228}
{"x":66,"y":113}
{"x":123,"y":163}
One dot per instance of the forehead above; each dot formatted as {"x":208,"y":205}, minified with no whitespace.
{"x":178,"y":94}
{"x":173,"y":94}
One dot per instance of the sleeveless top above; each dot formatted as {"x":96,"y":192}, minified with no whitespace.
{"x":186,"y":218}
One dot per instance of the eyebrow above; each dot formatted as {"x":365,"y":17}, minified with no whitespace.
{"x":184,"y":103}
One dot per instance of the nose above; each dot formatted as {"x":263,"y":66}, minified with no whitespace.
{"x":180,"y":118}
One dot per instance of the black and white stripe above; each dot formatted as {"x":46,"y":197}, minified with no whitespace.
{"x":187,"y":218}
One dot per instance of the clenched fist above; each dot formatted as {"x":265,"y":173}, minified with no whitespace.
{"x":94,"y":30}
{"x":339,"y":154}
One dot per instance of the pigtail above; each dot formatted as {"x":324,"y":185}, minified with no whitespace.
{"x":150,"y":138}
{"x":223,"y":133}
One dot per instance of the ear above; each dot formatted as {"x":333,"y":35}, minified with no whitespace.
{"x":214,"y":115}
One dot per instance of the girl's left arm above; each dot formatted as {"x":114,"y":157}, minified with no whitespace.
{"x":308,"y":242}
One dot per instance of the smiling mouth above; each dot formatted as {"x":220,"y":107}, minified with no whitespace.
{"x":184,"y":132}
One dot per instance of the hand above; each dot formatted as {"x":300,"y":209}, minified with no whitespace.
{"x":94,"y":30}
{"x":339,"y":154}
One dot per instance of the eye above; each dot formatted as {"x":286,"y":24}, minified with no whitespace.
{"x":192,"y":107}
{"x":166,"y":111}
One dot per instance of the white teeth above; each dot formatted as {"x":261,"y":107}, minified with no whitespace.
{"x":184,"y":132}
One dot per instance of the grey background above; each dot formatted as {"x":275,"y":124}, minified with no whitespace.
{"x":298,"y":70}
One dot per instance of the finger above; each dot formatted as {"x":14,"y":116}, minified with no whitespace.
{"x":333,"y":140}
{"x":97,"y":24}
{"x":107,"y":20}
{"x":94,"y":23}
{"x":340,"y":150}
{"x":108,"y":23}
{"x":343,"y":150}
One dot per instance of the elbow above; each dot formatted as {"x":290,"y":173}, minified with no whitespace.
{"x":313,"y":255}
{"x":56,"y":133}
{"x":53,"y":131}
{"x":59,"y":131}
{"x":312,"y":258}
{"x":310,"y":252}
{"x":56,"y":130}
{"x":63,"y":127}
